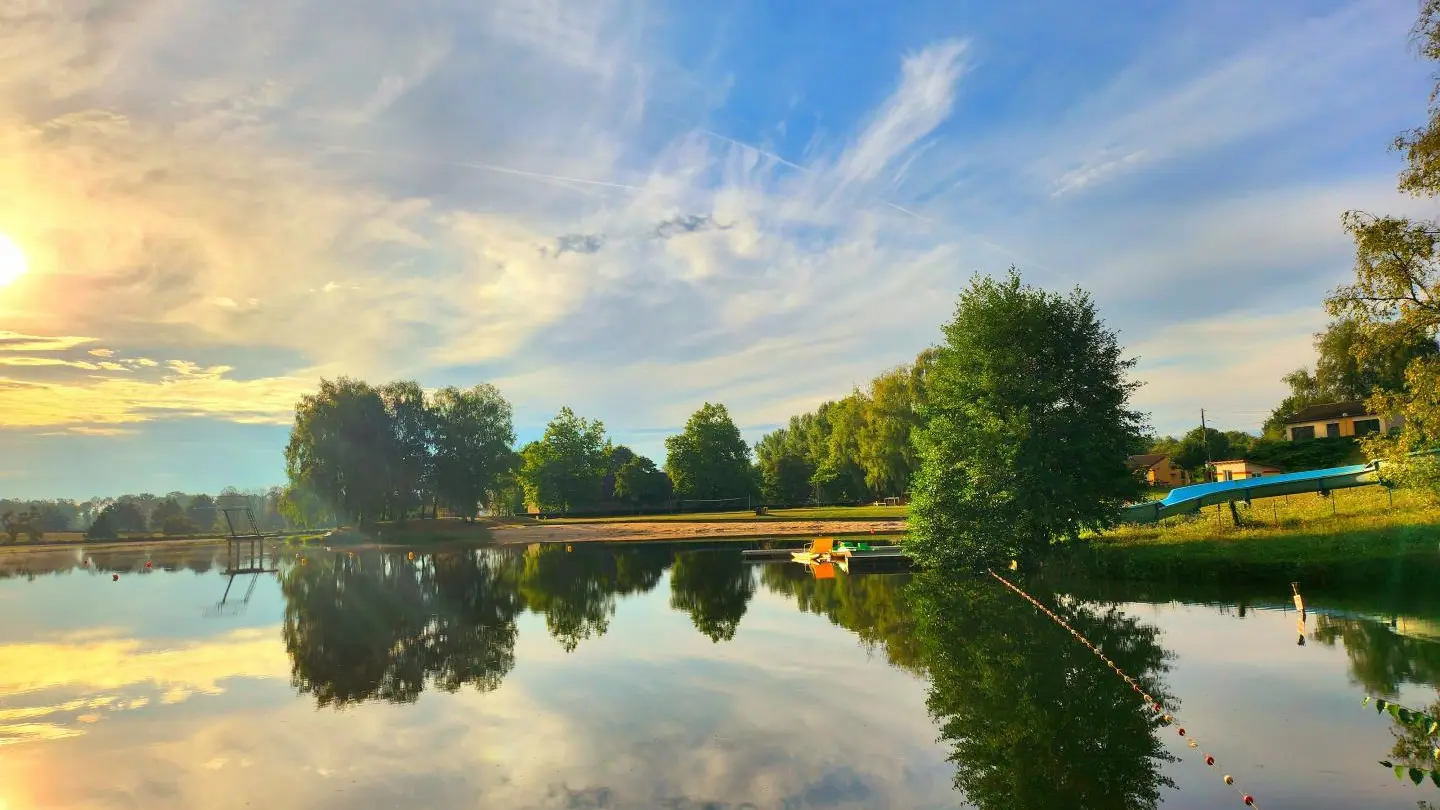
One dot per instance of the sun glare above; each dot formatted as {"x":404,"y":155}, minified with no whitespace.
{"x":12,"y":261}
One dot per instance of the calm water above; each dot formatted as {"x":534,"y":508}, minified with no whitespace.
{"x":657,"y":677}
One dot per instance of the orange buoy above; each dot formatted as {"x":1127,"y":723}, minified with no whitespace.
{"x":114,"y":577}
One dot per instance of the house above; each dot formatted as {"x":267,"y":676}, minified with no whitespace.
{"x":1334,"y":419}
{"x":1239,"y":469}
{"x":1158,"y":470}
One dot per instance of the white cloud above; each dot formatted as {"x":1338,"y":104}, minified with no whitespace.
{"x":1279,"y":80}
{"x":540,"y":194}
{"x":1229,"y":365}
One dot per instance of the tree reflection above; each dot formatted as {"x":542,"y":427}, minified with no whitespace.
{"x":377,"y":625}
{"x":1380,"y":659}
{"x":715,"y":588}
{"x":1036,"y":720}
{"x":576,"y":588}
{"x":872,"y":606}
{"x":356,"y":628}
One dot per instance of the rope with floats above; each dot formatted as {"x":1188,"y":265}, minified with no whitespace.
{"x":1166,"y":717}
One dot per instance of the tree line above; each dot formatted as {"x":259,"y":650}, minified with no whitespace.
{"x":857,"y":448}
{"x":360,"y":454}
{"x":174,"y":513}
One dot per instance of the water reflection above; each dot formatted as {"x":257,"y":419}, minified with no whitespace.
{"x":715,"y":588}
{"x":875,"y":608}
{"x":1035,"y":719}
{"x":1381,"y":659}
{"x":1026,"y":717}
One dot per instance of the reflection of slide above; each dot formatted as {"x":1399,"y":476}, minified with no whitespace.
{"x":1183,"y":500}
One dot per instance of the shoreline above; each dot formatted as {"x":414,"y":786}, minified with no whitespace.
{"x":636,"y":532}
{"x":506,"y":533}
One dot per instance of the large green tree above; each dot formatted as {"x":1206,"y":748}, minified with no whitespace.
{"x":1027,"y":427}
{"x":340,"y":448}
{"x":709,"y":459}
{"x":1395,"y":298}
{"x":638,"y":481}
{"x":474,"y":432}
{"x":565,"y":469}
{"x":410,"y":465}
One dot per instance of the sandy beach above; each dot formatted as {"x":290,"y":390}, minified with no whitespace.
{"x":673,"y":530}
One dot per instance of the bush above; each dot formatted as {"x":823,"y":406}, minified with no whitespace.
{"x":1310,"y":454}
{"x":103,"y":528}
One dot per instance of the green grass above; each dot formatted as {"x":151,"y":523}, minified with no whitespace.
{"x":799,"y":513}
{"x":1356,"y":536}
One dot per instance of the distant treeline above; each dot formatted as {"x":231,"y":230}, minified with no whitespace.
{"x":175,"y":513}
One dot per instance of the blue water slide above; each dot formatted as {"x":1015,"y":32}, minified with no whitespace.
{"x":1184,"y":500}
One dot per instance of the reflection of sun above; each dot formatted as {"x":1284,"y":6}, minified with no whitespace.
{"x":12,"y":261}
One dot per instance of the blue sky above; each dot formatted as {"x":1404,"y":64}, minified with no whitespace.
{"x":632,"y":208}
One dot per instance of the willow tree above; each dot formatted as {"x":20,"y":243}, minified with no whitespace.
{"x":1027,"y":427}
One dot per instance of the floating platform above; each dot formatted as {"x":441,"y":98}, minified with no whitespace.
{"x":787,"y":554}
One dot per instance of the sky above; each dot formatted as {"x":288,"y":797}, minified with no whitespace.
{"x":632,"y":208}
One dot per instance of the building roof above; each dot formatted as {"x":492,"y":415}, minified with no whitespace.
{"x":1145,"y":461}
{"x":1259,"y":464}
{"x":1329,"y":410}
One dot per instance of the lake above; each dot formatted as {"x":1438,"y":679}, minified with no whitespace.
{"x":679,"y":677}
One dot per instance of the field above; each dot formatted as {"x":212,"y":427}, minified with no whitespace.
{"x":1357,"y":533}
{"x":798,"y":513}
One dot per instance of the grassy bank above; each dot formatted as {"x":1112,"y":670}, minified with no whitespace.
{"x":797,"y":513}
{"x":1355,"y":535}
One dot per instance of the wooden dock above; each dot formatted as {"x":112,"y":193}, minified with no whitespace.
{"x":784,"y":554}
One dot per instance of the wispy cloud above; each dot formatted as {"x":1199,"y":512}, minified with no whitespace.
{"x":97,"y":404}
{"x":596,"y":204}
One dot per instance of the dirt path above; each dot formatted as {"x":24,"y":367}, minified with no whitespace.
{"x":667,"y":530}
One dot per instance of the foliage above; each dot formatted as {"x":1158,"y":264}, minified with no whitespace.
{"x":1027,"y":428}
{"x":1033,"y":718}
{"x":857,"y":448}
{"x":27,"y":523}
{"x":1417,"y":741}
{"x":709,"y":459}
{"x":202,"y":512}
{"x":616,"y":456}
{"x":340,"y":449}
{"x":565,"y":468}
{"x":874,"y":607}
{"x":411,"y":465}
{"x":1313,"y":454}
{"x":715,"y":588}
{"x":1395,"y":298}
{"x":1346,"y":369}
{"x":1191,"y":453}
{"x":364,"y":454}
{"x":178,"y":525}
{"x":638,"y":481}
{"x":168,"y":511}
{"x":120,"y":516}
{"x":304,"y":509}
{"x":473,"y":435}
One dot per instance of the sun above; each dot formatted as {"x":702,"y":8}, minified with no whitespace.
{"x":12,"y":261}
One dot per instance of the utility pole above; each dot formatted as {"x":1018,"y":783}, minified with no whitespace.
{"x":1205,"y":439}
